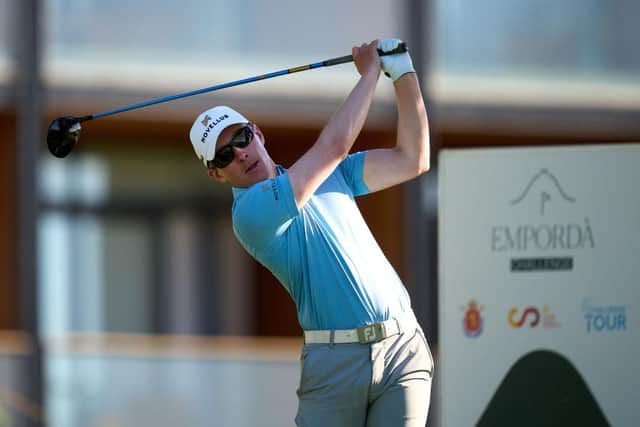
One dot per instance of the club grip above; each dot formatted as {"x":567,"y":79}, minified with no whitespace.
{"x":402,"y":48}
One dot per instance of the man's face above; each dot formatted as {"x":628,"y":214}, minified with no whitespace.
{"x":250,"y":164}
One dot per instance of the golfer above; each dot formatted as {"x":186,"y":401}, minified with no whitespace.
{"x":365,"y":360}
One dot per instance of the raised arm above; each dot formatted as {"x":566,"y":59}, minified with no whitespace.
{"x":338,"y":136}
{"x":410,"y":156}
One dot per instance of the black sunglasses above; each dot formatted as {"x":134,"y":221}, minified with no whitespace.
{"x":225,"y":154}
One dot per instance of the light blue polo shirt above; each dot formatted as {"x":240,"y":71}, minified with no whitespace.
{"x":324,"y":253}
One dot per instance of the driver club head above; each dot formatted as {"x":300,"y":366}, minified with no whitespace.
{"x":63,"y":135}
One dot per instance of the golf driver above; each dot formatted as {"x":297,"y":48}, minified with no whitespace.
{"x":64,"y":132}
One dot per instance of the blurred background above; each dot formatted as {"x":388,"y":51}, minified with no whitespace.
{"x":124,"y":298}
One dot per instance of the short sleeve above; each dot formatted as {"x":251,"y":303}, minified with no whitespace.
{"x":352,"y":169}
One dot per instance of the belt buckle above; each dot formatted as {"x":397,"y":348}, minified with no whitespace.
{"x":371,"y":333}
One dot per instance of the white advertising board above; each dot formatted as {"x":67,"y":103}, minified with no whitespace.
{"x":539,"y":284}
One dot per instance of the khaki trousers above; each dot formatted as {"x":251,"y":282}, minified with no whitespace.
{"x":387,"y":383}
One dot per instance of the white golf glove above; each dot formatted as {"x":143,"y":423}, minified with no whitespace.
{"x":396,"y":65}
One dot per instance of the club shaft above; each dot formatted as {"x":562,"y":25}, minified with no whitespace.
{"x":326,"y":63}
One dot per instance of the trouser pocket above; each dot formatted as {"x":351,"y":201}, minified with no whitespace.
{"x":426,"y":344}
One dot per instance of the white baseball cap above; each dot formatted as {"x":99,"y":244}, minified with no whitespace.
{"x":207,"y":128}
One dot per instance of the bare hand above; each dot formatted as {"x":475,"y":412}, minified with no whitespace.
{"x":366,"y":58}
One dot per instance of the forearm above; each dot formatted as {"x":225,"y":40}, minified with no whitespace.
{"x":346,"y":123}
{"x":413,"y":126}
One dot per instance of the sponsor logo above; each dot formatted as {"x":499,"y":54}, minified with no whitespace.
{"x":544,"y":195}
{"x":604,"y":318}
{"x":532,"y":317}
{"x":206,"y":120}
{"x":472,"y":322}
{"x":542,"y":237}
{"x":531,"y":264}
{"x":210,"y":125}
{"x":274,"y":188}
{"x":548,"y":236}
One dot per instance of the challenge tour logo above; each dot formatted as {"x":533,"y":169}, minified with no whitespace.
{"x":604,"y":318}
{"x":541,"y":194}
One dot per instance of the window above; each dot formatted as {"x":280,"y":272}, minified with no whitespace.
{"x":6,"y":38}
{"x":123,"y":251}
{"x":574,"y":51}
{"x":128,"y":44}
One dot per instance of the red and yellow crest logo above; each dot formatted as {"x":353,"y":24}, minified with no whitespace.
{"x":473,"y":322}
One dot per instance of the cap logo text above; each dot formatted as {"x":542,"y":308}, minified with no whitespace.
{"x":210,"y":126}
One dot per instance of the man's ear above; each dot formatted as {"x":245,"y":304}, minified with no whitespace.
{"x":216,"y":175}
